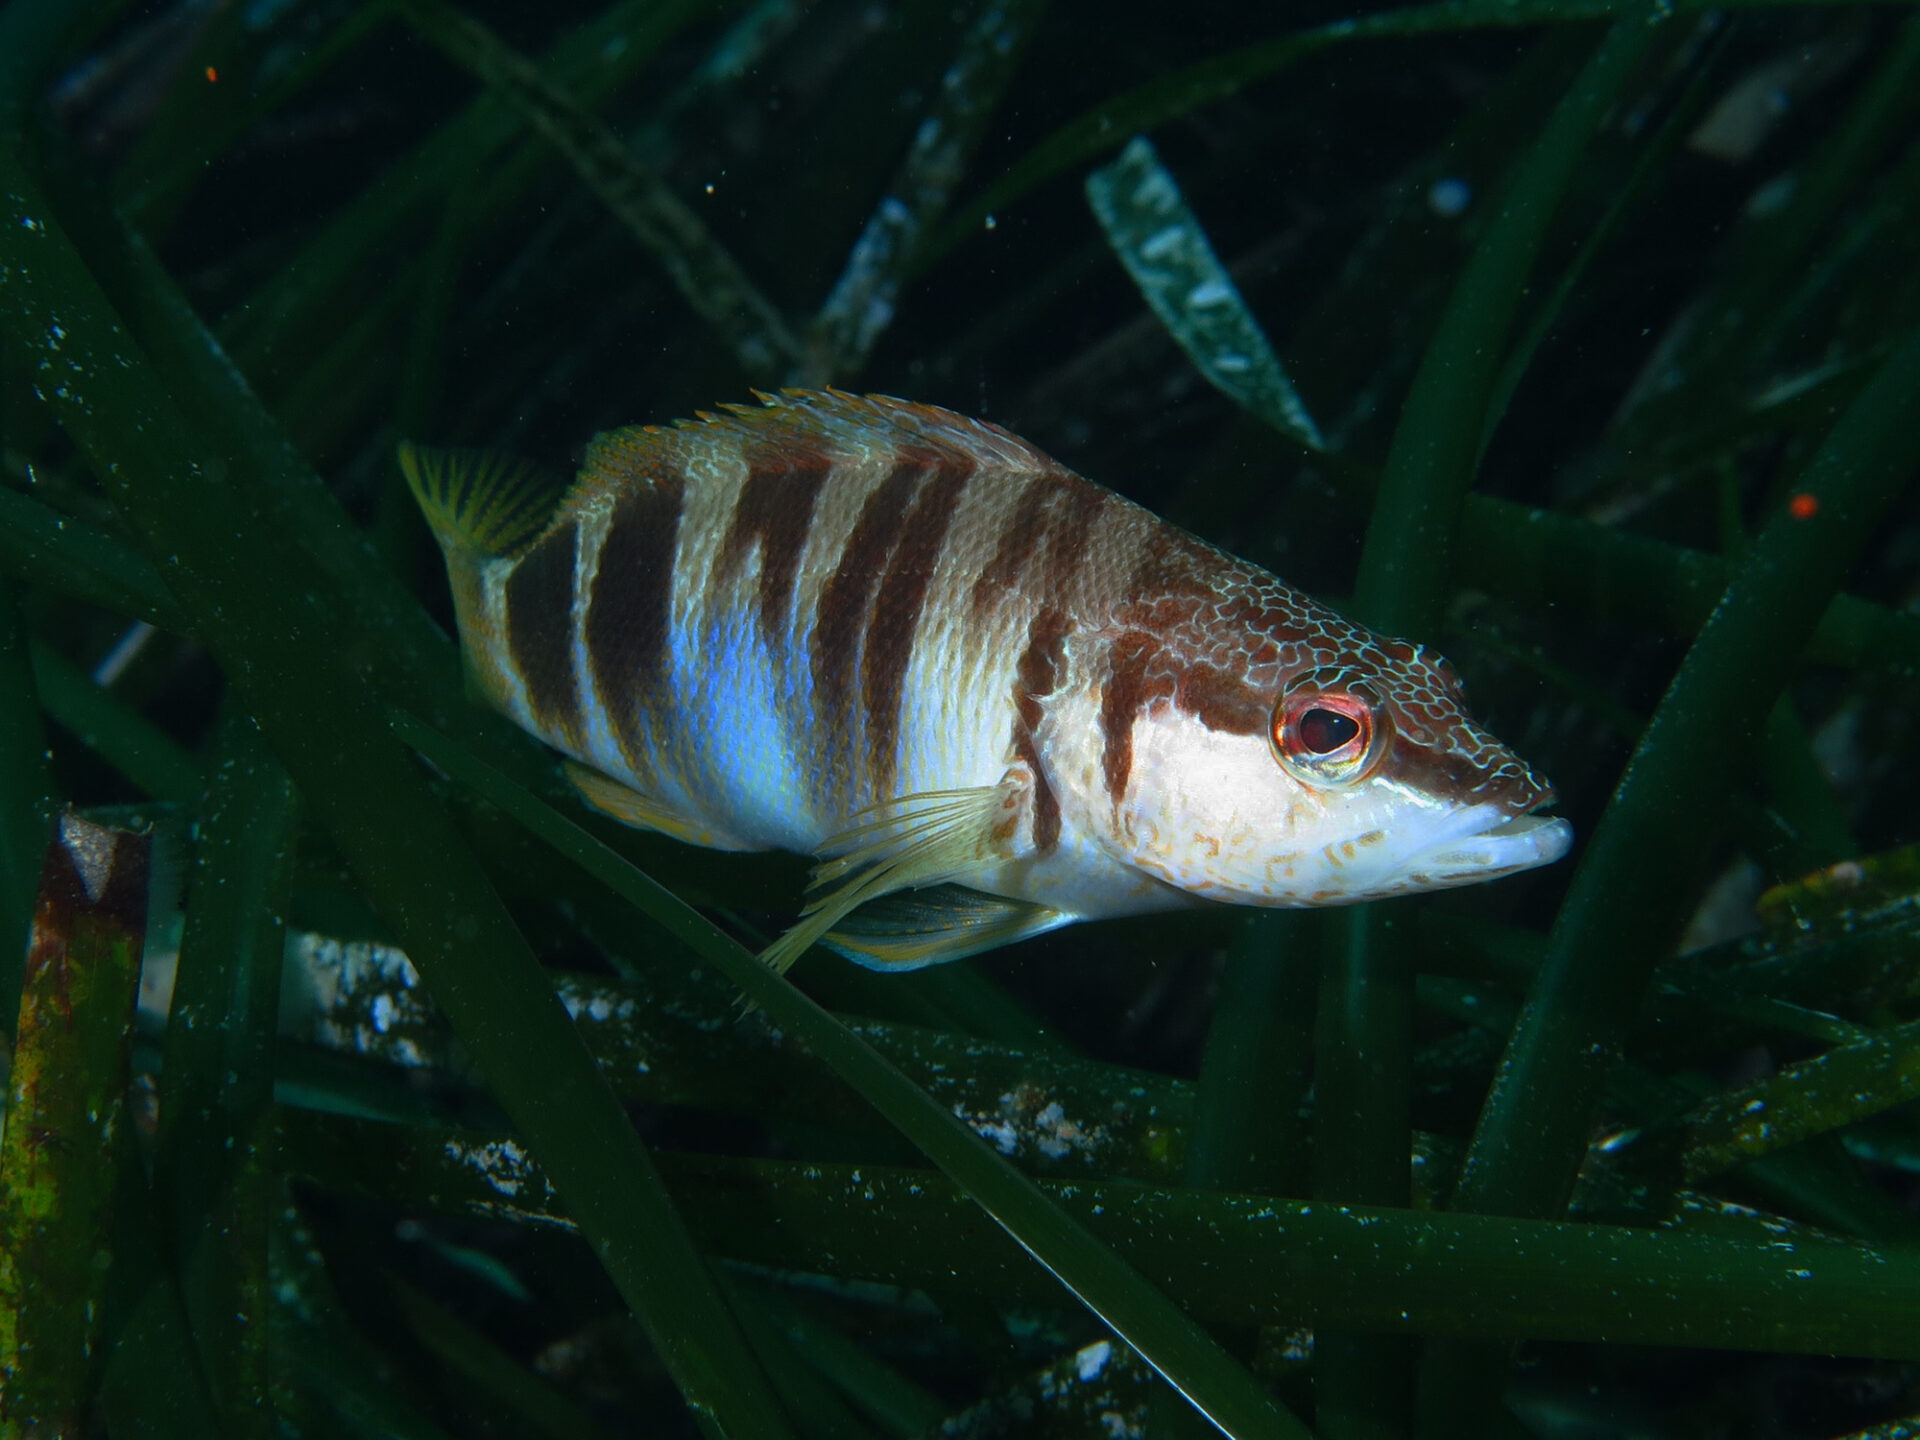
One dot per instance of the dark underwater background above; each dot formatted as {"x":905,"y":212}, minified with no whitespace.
{"x":1579,"y":339}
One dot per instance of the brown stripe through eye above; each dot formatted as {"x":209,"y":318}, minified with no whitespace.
{"x":631,"y":609}
{"x":896,"y":611}
{"x":539,"y":605}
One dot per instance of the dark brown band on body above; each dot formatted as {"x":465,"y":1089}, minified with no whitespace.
{"x":1050,"y":522}
{"x":1035,"y":678}
{"x":630,"y":612}
{"x":846,"y":599}
{"x":1223,"y":702}
{"x":1122,"y":697}
{"x":775,"y":510}
{"x":897,"y":606}
{"x":1077,"y":504}
{"x":1017,"y":542}
{"x":1172,"y":565}
{"x":539,"y":606}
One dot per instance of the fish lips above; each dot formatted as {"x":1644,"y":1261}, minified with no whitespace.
{"x":1489,"y":841}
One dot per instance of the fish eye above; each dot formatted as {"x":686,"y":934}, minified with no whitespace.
{"x":1326,"y":737}
{"x":1323,"y":731}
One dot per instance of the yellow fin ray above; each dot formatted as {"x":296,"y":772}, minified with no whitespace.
{"x":480,"y":503}
{"x":911,"y":929}
{"x":915,"y":840}
{"x":643,"y":812}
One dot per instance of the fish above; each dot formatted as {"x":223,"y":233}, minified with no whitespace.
{"x":986,"y":695}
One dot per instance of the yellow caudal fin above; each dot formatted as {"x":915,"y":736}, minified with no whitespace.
{"x":915,"y":928}
{"x":478,"y":503}
{"x":643,"y":812}
{"x":916,"y":840}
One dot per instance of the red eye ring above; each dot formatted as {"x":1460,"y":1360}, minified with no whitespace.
{"x":1326,"y":737}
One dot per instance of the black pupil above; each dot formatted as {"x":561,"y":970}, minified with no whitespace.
{"x":1325,"y":731}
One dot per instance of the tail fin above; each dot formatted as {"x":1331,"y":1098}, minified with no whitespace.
{"x":479,"y":503}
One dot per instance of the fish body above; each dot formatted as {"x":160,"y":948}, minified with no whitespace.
{"x":963,"y":677}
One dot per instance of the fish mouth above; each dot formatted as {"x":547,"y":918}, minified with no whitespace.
{"x":1498,"y":844}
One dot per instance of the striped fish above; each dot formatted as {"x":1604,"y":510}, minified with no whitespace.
{"x":989,"y":696}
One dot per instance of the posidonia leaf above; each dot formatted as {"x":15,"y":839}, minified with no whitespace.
{"x":66,"y":1122}
{"x":215,"y":1171}
{"x":1522,"y":1161}
{"x":863,"y":300}
{"x":125,"y":739}
{"x":1217,"y":1385}
{"x":258,"y":600}
{"x":1170,"y":258}
{"x":702,"y":270}
{"x":1169,"y":96}
{"x":1405,"y":576}
{"x":26,"y":779}
{"x":1228,"y":1258}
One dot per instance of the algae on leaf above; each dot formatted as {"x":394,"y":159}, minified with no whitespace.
{"x":1167,"y":254}
{"x":67,"y":1128}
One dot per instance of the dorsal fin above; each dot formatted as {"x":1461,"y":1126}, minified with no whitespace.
{"x":827,"y":422}
{"x":479,"y":502}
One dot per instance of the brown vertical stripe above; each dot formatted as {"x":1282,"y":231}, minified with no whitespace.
{"x":846,"y":598}
{"x":896,"y":612}
{"x":630,"y":612}
{"x":1121,"y":699}
{"x":1223,"y":701}
{"x":1017,"y":542}
{"x":1035,"y":678}
{"x":539,"y":604}
{"x":775,"y":509}
{"x":1171,"y":563}
{"x":1052,"y":518}
{"x":1073,"y":514}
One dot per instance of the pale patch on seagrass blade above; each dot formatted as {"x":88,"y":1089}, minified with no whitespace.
{"x":1170,"y":258}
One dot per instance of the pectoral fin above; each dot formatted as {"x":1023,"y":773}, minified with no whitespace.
{"x":643,"y":812}
{"x":913,"y":841}
{"x":913,"y":928}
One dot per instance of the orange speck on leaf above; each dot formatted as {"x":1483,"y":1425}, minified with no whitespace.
{"x":1803,"y":506}
{"x":213,"y":75}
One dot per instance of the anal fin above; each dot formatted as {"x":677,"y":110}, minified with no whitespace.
{"x":913,"y":928}
{"x":915,"y":840}
{"x":643,"y":812}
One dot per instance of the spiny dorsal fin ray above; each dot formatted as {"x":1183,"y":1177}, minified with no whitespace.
{"x":480,"y":502}
{"x":810,"y":420}
{"x":916,"y":840}
{"x":915,"y":928}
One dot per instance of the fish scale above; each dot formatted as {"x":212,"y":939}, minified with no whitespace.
{"x":988,"y":695}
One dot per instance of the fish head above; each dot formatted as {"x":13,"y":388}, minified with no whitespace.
{"x":1346,"y":781}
